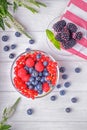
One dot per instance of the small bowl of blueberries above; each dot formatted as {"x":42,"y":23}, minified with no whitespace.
{"x":34,"y":73}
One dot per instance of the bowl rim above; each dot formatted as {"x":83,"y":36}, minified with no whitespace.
{"x":25,"y":52}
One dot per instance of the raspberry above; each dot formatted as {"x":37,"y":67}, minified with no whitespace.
{"x":72,"y":27}
{"x":59,"y":25}
{"x":46,"y":87}
{"x":26,"y":77}
{"x":39,"y":66}
{"x":22,"y":72}
{"x":30,"y":62}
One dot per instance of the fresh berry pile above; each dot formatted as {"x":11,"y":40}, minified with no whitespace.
{"x":67,"y":33}
{"x":35,"y":74}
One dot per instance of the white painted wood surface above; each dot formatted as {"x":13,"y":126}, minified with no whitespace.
{"x":47,"y":114}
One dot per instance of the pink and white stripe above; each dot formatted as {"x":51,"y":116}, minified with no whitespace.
{"x":76,"y":12}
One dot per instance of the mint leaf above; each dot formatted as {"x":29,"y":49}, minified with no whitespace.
{"x":51,"y":37}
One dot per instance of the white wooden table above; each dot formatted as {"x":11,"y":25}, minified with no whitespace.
{"x":47,"y":115}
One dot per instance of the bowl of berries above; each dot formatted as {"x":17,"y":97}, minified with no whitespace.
{"x":67,"y":33}
{"x":34,"y":73}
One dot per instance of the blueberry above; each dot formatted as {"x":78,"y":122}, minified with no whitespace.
{"x":38,"y":78}
{"x":74,"y":99}
{"x":53,"y":98}
{"x":62,"y":69}
{"x":17,"y":34}
{"x":45,"y":63}
{"x":6,"y":48}
{"x":64,"y":76}
{"x":29,"y":111}
{"x":5,"y":38}
{"x":35,"y":82}
{"x":39,"y":86}
{"x":28,"y":50}
{"x":26,"y":68}
{"x":58,"y":86}
{"x":38,"y":56}
{"x":67,"y":84}
{"x":31,"y":41}
{"x":13,"y":46}
{"x":30,"y":70}
{"x":45,"y":73}
{"x":77,"y":70}
{"x":31,"y":79}
{"x":62,"y":92}
{"x":40,"y":73}
{"x":42,"y":79}
{"x":31,"y":87}
{"x":11,"y":55}
{"x":68,"y":109}
{"x":40,"y":91}
{"x":28,"y":83}
{"x":34,"y":73}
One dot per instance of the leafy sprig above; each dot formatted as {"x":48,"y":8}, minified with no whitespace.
{"x":7,"y":113}
{"x":51,"y":37}
{"x":6,"y":18}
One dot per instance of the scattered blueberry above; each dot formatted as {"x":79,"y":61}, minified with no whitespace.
{"x":64,"y":76}
{"x":11,"y":55}
{"x":53,"y":98}
{"x":68,"y":109}
{"x":58,"y":86}
{"x":13,"y":46}
{"x":5,"y":38}
{"x":67,"y":84}
{"x":28,"y":49}
{"x":62,"y":69}
{"x":17,"y":34}
{"x":6,"y":48}
{"x":31,"y":41}
{"x":77,"y":70}
{"x":29,"y":111}
{"x":74,"y":99}
{"x":62,"y":92}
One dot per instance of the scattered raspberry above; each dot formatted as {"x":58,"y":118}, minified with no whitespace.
{"x":39,"y":66}
{"x":46,"y":87}
{"x":30,"y":62}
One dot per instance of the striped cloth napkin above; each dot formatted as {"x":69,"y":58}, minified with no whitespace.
{"x":76,"y":12}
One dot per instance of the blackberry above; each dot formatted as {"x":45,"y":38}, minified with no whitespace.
{"x":58,"y":37}
{"x":69,"y":44}
{"x":58,"y":26}
{"x":65,"y":34}
{"x":78,"y":35}
{"x":72,"y":27}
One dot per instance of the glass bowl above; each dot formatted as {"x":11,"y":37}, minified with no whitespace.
{"x":64,"y":52}
{"x":34,"y":73}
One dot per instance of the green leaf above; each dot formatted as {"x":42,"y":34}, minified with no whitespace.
{"x":51,"y":37}
{"x":6,"y":127}
{"x":30,"y":8}
{"x":41,"y":4}
{"x":15,"y":6}
{"x":2,"y":24}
